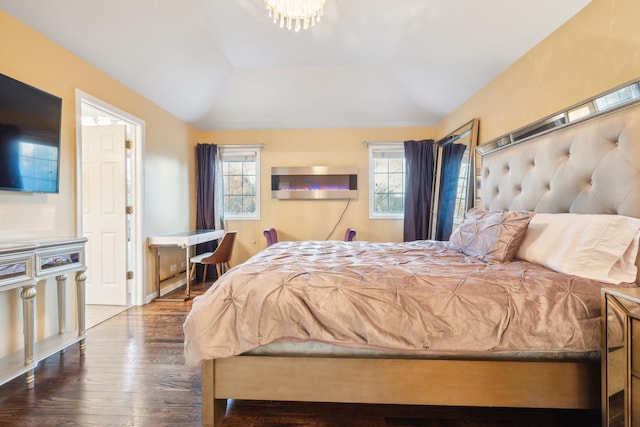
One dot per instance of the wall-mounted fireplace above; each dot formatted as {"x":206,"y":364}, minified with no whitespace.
{"x":314,"y":182}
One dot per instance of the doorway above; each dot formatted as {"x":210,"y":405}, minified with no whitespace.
{"x":109,"y":165}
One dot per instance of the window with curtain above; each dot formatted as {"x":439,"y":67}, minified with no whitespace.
{"x":208,"y":198}
{"x":386,"y":180}
{"x":241,"y":182}
{"x":420,"y":163}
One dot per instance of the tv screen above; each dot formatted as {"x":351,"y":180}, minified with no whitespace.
{"x":29,"y":137}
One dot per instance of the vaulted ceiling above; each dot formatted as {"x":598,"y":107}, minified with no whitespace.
{"x":223,"y":64}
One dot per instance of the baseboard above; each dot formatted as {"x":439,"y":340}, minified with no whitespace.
{"x":169,"y":284}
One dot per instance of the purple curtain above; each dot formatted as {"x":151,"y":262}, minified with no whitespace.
{"x":205,"y":199}
{"x":449,"y":173}
{"x":419,"y":160}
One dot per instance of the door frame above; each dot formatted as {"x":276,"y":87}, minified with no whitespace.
{"x":136,"y":289}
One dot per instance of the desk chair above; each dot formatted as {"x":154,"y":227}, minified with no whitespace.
{"x":271,"y":235}
{"x":349,"y":235}
{"x":220,"y":257}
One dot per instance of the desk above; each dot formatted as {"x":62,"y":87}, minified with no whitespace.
{"x":182,"y":239}
{"x":23,"y":265}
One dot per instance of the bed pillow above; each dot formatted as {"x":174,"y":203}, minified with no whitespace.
{"x":492,"y":236}
{"x":599,"y":247}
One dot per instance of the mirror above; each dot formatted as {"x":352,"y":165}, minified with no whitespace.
{"x":454,"y":186}
{"x":600,"y":104}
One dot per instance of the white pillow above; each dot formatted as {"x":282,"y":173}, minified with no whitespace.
{"x":599,"y":247}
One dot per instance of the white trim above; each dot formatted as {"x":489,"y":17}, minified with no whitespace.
{"x":139,"y":267}
{"x":255,"y":148}
{"x":392,"y":146}
{"x":381,"y":143}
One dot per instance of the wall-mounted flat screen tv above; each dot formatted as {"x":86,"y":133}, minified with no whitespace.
{"x":29,"y":138}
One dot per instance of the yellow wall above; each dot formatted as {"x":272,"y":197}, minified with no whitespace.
{"x":30,"y":57}
{"x":312,"y":219}
{"x":597,"y":50}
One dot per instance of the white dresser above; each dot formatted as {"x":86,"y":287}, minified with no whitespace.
{"x":23,"y":265}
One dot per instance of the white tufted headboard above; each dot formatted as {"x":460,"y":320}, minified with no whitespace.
{"x":591,"y":166}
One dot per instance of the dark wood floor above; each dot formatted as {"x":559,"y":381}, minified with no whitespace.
{"x":133,"y":374}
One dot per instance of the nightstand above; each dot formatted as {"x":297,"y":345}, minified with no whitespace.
{"x":621,"y":357}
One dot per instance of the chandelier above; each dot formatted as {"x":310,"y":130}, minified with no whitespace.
{"x":295,"y":14}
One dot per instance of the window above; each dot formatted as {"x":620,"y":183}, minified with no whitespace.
{"x":241,"y":180}
{"x":386,"y":183}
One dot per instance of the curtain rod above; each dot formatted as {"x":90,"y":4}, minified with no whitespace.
{"x":368,"y":143}
{"x":241,"y":145}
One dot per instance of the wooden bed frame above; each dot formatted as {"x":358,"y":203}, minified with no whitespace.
{"x":401,"y":381}
{"x":459,"y":382}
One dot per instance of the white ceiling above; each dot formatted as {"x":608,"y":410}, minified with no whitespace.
{"x":223,"y":64}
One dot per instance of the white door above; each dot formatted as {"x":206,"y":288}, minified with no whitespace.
{"x":104,"y":213}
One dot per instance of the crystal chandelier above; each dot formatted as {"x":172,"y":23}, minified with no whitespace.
{"x":303,"y":12}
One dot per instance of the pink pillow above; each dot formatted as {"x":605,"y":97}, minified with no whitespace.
{"x":492,"y":236}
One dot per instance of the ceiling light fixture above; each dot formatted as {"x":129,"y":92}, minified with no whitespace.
{"x":303,"y":12}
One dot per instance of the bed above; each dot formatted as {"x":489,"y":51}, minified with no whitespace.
{"x":590,"y":167}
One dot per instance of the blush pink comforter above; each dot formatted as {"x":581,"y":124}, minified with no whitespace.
{"x":415,"y":296}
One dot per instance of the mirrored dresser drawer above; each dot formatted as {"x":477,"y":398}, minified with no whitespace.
{"x":621,"y":357}
{"x":25,"y":266}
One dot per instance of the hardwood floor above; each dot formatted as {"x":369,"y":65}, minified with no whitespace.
{"x":133,"y":374}
{"x":96,"y":313}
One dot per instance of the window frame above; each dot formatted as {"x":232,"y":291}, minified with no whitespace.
{"x":241,"y":151}
{"x":385,"y":147}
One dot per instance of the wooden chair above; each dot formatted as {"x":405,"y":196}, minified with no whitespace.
{"x":271,"y":235}
{"x":349,"y":235}
{"x":220,"y":257}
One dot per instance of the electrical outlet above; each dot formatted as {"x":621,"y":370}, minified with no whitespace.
{"x":174,"y":267}
{"x":183,"y":264}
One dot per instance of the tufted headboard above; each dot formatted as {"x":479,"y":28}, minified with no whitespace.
{"x":591,"y":166}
